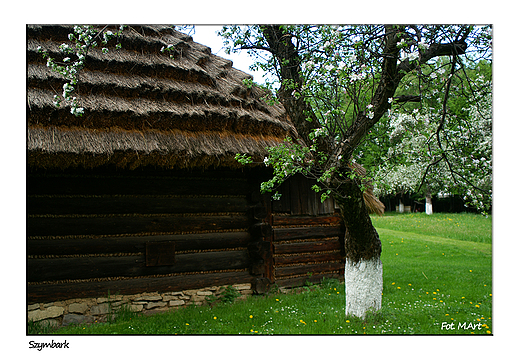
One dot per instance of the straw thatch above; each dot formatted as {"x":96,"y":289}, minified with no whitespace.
{"x":144,"y":108}
{"x":373,"y":204}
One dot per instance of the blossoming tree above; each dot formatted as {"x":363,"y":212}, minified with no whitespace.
{"x":416,"y":156}
{"x":337,"y":83}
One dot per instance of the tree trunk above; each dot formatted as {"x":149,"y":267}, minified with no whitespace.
{"x":363,"y":267}
{"x":429,"y":205}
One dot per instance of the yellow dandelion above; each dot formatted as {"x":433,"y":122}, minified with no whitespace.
{"x":471,"y":271}
{"x":399,"y":287}
{"x":250,"y":316}
{"x":490,"y":294}
{"x":434,"y":293}
{"x":393,"y":283}
{"x":277,"y":299}
{"x":315,"y":320}
{"x":347,"y":321}
{"x":477,"y":306}
{"x":434,"y":298}
{"x":489,"y":332}
{"x":214,"y":318}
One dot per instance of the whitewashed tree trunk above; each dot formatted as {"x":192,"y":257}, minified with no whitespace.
{"x":429,"y":205}
{"x":363,"y":286}
{"x":401,"y":207}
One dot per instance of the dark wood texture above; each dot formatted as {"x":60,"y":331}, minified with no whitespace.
{"x":52,"y":292}
{"x":306,"y":258}
{"x":308,"y":269}
{"x":299,"y":199}
{"x":100,"y":224}
{"x":160,"y":253}
{"x":131,"y":244}
{"x":73,"y":268}
{"x":131,"y":224}
{"x":134,"y":204}
{"x":170,"y":231}
{"x":279,"y":220}
{"x":145,"y":182}
{"x":307,"y":247}
{"x":292,"y":233}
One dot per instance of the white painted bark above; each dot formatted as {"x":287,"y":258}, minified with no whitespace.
{"x":363,"y":286}
{"x":429,"y":205}
{"x":401,"y":207}
{"x":429,"y":208}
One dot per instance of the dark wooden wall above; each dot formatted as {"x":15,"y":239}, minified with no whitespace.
{"x":90,"y":232}
{"x":126,"y":232}
{"x":307,"y":236}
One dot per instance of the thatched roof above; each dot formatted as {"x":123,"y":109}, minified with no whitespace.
{"x":144,"y":108}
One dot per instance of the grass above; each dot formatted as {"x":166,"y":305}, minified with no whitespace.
{"x":437,"y":272}
{"x":461,"y":226}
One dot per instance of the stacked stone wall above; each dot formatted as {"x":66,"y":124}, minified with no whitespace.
{"x":91,"y":310}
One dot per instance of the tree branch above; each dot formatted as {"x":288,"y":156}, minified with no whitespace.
{"x":407,"y":98}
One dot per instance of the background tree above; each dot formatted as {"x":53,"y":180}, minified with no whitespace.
{"x":336,"y":83}
{"x":410,"y":160}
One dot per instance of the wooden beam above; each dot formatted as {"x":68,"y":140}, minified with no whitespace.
{"x":87,"y":267}
{"x":309,"y":268}
{"x":54,"y":292}
{"x":306,"y":232}
{"x":306,"y":258}
{"x":131,"y":204}
{"x":132,"y":244}
{"x":307,"y":247}
{"x":131,"y":224}
{"x":279,"y":220}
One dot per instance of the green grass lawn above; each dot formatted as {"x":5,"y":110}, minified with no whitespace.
{"x":437,"y":280}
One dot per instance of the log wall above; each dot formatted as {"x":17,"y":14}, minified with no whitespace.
{"x":307,"y":236}
{"x":91,"y":232}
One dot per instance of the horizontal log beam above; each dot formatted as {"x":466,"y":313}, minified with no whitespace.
{"x":306,"y":258}
{"x":54,"y":292}
{"x":132,"y":244}
{"x":310,"y":268}
{"x":130,"y":183}
{"x":308,"y":246}
{"x":131,"y":224}
{"x":129,"y":204}
{"x":294,"y":233}
{"x":306,"y":220}
{"x":74,"y":268}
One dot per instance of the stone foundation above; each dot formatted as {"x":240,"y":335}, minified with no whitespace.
{"x":77,"y":311}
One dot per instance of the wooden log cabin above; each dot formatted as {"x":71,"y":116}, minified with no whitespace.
{"x":142,"y":192}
